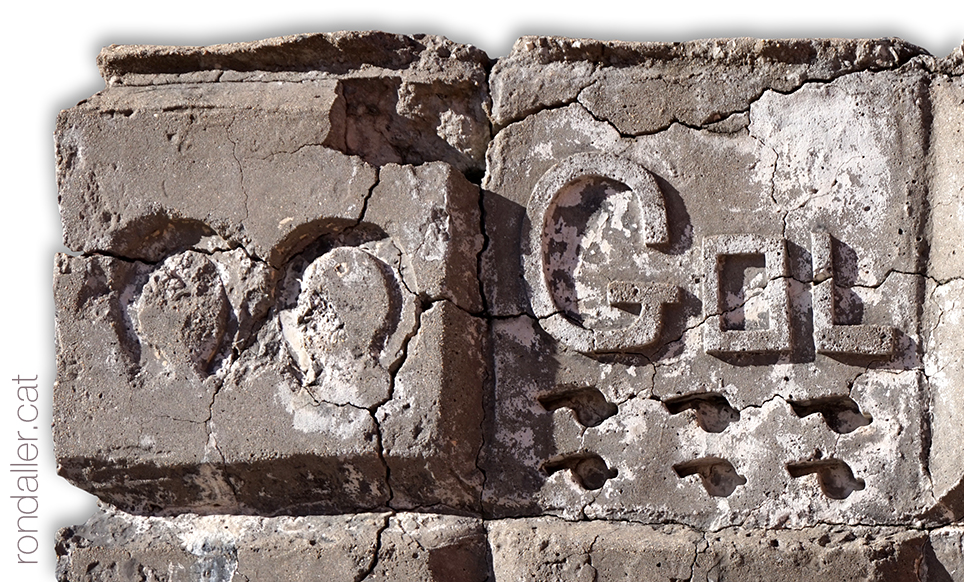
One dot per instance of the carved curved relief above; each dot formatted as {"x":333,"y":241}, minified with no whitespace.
{"x":587,"y":215}
{"x":342,"y":328}
{"x":183,"y":311}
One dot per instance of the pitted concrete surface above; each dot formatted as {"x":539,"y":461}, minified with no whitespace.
{"x":361,"y":305}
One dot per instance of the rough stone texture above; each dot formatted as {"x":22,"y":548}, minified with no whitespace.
{"x":700,"y":321}
{"x":548,"y":549}
{"x":432,"y":426}
{"x":433,"y":214}
{"x":943,"y":363}
{"x":643,"y":87}
{"x":948,"y":546}
{"x":114,"y":546}
{"x":247,"y":282}
{"x":843,"y":159}
{"x":251,"y":142}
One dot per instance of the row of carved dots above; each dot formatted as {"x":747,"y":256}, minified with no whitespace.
{"x":720,"y":478}
{"x":713,"y":411}
{"x":713,"y":414}
{"x":718,"y":475}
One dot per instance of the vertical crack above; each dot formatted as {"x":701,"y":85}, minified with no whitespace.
{"x":368,"y":197}
{"x":373,"y":563}
{"x":595,"y":572}
{"x":696,"y":555}
{"x":237,"y":160}
{"x":208,"y":422}
{"x":373,"y":411}
{"x":488,"y":385}
{"x":381,"y":457}
{"x":485,"y":247}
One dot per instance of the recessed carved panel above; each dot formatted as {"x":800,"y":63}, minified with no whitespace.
{"x":348,"y":308}
{"x":182,"y":312}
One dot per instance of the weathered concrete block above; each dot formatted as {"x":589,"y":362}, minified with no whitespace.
{"x":269,"y":295}
{"x":552,"y":549}
{"x":431,"y":429}
{"x":113,"y":545}
{"x":700,"y":321}
{"x":644,"y":87}
{"x":257,"y":142}
{"x":788,"y":222}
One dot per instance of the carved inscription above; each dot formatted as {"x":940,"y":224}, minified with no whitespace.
{"x":829,"y":336}
{"x":731,"y":310}
{"x":565,"y":203}
{"x":745,"y":276}
{"x":588,"y":204}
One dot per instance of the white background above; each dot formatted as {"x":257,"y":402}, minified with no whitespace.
{"x":48,"y":64}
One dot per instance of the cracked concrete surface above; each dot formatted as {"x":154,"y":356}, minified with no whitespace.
{"x":331,"y":281}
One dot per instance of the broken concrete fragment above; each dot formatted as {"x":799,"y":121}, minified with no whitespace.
{"x":294,"y":337}
{"x":948,"y":547}
{"x":149,"y":170}
{"x":952,"y":64}
{"x":402,"y":99}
